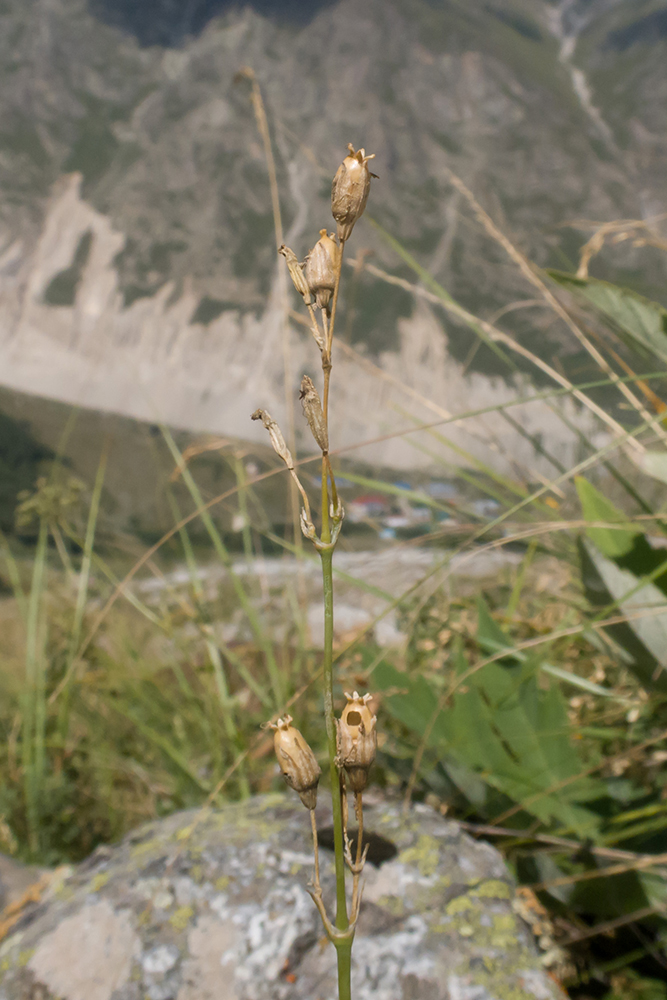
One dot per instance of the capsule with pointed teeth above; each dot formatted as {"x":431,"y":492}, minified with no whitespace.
{"x":357,"y":740}
{"x":349,"y":191}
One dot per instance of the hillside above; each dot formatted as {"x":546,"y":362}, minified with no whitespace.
{"x":137,"y":264}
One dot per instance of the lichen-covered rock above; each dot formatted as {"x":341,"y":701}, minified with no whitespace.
{"x":215,"y":907}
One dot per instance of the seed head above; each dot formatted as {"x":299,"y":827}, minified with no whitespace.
{"x":312,"y":409}
{"x":296,"y":272}
{"x":357,"y":740}
{"x":297,"y":761}
{"x":349,"y":191}
{"x":321,"y":265}
{"x":277,"y":439}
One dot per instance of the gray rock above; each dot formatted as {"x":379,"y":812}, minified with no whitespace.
{"x":214,"y":907}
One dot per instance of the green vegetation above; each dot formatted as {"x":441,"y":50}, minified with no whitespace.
{"x":532,"y":706}
{"x":21,"y":460}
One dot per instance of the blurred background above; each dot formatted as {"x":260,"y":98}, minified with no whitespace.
{"x":496,"y":424}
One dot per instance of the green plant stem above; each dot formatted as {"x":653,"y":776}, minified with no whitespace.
{"x":33,"y":710}
{"x":239,"y":472}
{"x":344,"y":955}
{"x":344,"y":947}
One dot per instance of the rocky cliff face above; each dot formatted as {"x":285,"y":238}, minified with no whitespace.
{"x":137,"y":260}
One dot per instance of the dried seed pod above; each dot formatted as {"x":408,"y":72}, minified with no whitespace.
{"x":357,"y":740}
{"x":321,"y":264}
{"x":297,"y":761}
{"x":296,"y":272}
{"x":349,"y":191}
{"x":277,"y":439}
{"x":312,"y":409}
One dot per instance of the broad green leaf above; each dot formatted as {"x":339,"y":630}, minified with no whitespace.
{"x":646,"y":608}
{"x":612,"y":542}
{"x":641,"y":322}
{"x":507,"y":730}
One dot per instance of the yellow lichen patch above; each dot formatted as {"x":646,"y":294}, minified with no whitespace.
{"x":466,"y":930}
{"x":503,"y":941}
{"x":425,"y":854}
{"x":98,"y":882}
{"x":493,"y":888}
{"x":504,"y":922}
{"x":502,"y":978}
{"x":222,"y":883}
{"x":196,"y":873}
{"x":181,"y":918}
{"x":184,"y":832}
{"x":392,"y":904}
{"x":459,"y":905}
{"x":24,"y":957}
{"x":148,"y":845}
{"x":271,"y":800}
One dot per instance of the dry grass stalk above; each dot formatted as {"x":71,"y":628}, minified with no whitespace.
{"x":530,"y":273}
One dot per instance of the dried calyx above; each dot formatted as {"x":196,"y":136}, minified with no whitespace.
{"x":357,"y":740}
{"x":296,"y":272}
{"x":320,"y":269}
{"x":312,"y":409}
{"x":297,"y":761}
{"x":349,"y":191}
{"x":276,"y":435}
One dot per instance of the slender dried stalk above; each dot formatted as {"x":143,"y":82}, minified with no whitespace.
{"x":349,"y":195}
{"x":263,"y":128}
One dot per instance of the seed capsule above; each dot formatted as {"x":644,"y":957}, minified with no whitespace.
{"x":277,"y":439}
{"x":313,"y":413}
{"x":296,"y":272}
{"x":320,"y":269}
{"x":297,"y":761}
{"x":357,"y":740}
{"x":349,"y":191}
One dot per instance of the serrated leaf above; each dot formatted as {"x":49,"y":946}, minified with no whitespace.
{"x":507,"y":730}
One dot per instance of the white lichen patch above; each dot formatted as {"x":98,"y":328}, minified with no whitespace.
{"x":381,"y":960}
{"x":159,"y":960}
{"x":291,"y":860}
{"x":535,"y":982}
{"x":271,"y":928}
{"x":394,"y":878}
{"x":88,"y":955}
{"x":461,"y":988}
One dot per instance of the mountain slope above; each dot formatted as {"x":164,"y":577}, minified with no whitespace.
{"x":158,"y":267}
